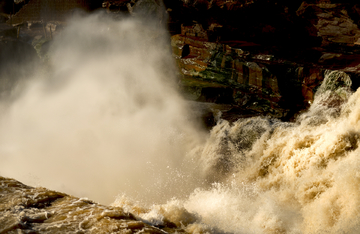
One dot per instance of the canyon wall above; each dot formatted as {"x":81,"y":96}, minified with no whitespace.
{"x":260,"y":57}
{"x":270,"y":56}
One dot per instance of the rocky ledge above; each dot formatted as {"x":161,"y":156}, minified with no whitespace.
{"x":24,"y":209}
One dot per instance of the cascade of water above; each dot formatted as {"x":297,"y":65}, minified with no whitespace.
{"x":105,"y":119}
{"x":273,"y":177}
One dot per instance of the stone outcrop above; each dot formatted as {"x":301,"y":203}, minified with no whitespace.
{"x":270,"y":55}
{"x":24,"y":209}
{"x":256,"y":81}
{"x":332,"y":22}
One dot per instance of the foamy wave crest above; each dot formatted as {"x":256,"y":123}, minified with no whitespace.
{"x":273,"y":177}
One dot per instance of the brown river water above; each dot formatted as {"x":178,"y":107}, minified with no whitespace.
{"x":103,"y":120}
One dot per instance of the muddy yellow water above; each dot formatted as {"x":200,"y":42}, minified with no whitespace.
{"x":272,"y":177}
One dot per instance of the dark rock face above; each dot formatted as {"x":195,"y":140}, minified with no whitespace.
{"x":256,"y":81}
{"x":271,"y":55}
{"x":24,"y":209}
{"x":272,"y":23}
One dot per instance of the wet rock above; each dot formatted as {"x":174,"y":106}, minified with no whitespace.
{"x":24,"y":209}
{"x":332,"y":22}
{"x":270,"y":55}
{"x":257,"y":82}
{"x":8,"y":223}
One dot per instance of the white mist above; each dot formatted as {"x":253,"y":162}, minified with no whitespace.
{"x":104,"y":118}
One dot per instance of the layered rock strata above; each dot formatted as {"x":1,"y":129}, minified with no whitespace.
{"x":270,"y":55}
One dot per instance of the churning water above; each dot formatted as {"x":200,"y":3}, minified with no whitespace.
{"x":103,"y":120}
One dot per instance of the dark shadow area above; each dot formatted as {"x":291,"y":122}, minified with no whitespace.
{"x":216,"y":95}
{"x":18,"y":60}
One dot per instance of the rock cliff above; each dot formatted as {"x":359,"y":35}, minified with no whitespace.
{"x":261,"y":57}
{"x":270,"y":55}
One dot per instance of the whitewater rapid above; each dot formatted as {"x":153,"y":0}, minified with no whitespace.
{"x":274,"y":177}
{"x":104,"y":120}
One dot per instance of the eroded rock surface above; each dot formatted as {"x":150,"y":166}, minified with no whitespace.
{"x":25,"y":209}
{"x":270,"y":55}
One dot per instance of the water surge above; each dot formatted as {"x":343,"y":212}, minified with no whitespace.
{"x":104,"y":120}
{"x":274,"y":177}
